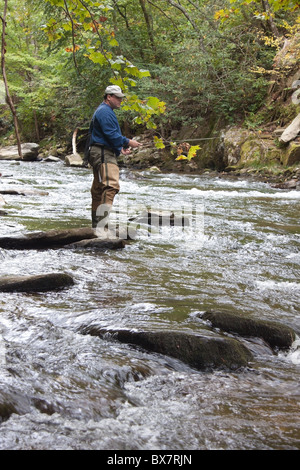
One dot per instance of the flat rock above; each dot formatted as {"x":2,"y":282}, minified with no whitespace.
{"x":29,"y":152}
{"x":199,"y":352}
{"x":38,"y":283}
{"x":275,"y":334}
{"x":49,"y":239}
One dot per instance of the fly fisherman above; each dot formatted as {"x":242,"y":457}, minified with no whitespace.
{"x":107,"y":143}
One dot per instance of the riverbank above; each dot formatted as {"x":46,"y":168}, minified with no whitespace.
{"x":225,"y":159}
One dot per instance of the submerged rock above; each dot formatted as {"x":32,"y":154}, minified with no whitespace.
{"x":39,"y":283}
{"x":24,"y":192}
{"x":199,"y":352}
{"x":12,"y":402}
{"x":275,"y":334}
{"x":99,"y":244}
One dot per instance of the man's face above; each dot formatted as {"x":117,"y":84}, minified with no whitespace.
{"x":114,"y":101}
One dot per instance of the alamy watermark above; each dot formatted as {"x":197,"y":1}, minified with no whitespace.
{"x":126,"y":219}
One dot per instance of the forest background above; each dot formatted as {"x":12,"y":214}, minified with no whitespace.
{"x":182,"y":64}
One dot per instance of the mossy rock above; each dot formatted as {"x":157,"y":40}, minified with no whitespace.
{"x":200,"y":352}
{"x":35,"y":283}
{"x":275,"y":334}
{"x":291,"y":154}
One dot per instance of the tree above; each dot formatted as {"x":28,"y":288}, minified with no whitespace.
{"x":89,"y":27}
{"x":3,"y":68}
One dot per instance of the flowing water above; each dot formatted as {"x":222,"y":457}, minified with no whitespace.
{"x":67,"y":390}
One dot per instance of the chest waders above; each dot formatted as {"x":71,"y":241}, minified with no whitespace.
{"x":105,"y":184}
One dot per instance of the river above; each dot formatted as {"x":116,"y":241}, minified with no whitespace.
{"x":239,"y":253}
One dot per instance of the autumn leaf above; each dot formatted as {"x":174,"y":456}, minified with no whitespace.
{"x":72,"y":49}
{"x":181,"y":157}
{"x":158,"y":143}
{"x":193,"y":151}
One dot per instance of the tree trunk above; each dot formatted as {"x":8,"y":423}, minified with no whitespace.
{"x":8,"y":97}
{"x":273,"y":27}
{"x":36,"y":125}
{"x":74,"y":145}
{"x":148,"y":24}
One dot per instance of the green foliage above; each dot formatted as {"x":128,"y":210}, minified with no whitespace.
{"x":179,"y":63}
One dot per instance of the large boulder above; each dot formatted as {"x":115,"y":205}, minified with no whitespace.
{"x":275,"y":334}
{"x":233,"y":139}
{"x":29,"y":152}
{"x":199,"y":352}
{"x":39,"y":283}
{"x":291,"y":155}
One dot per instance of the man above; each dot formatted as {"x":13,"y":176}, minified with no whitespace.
{"x":107,"y":143}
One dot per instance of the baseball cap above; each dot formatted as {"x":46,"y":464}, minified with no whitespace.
{"x":114,"y":90}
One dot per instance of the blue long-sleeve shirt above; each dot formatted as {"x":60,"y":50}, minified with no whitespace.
{"x":106,"y":130}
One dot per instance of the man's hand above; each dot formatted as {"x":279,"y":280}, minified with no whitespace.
{"x":126,"y":151}
{"x":134,"y":143}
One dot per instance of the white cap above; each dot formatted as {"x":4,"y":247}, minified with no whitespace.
{"x":114,"y":90}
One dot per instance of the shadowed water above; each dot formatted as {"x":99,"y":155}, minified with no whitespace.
{"x":64,"y":390}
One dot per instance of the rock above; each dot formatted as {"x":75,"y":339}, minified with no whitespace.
{"x":72,"y":238}
{"x":275,"y":334}
{"x":291,"y":184}
{"x":100,"y":244}
{"x":29,"y":152}
{"x":40,"y":283}
{"x":233,"y":140}
{"x":291,"y":155}
{"x":256,"y":149}
{"x":199,"y":352}
{"x":12,"y":401}
{"x":51,"y":158}
{"x":25,"y":192}
{"x":50,"y":239}
{"x":74,"y":160}
{"x":291,"y":131}
{"x":154,"y":169}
